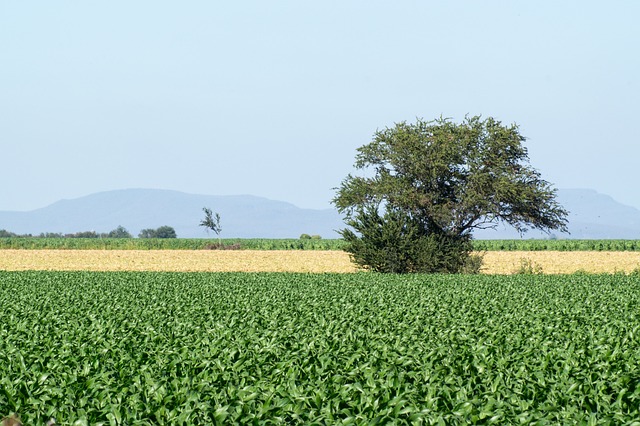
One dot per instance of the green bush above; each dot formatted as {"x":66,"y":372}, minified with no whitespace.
{"x":528,"y":267}
{"x":395,"y":243}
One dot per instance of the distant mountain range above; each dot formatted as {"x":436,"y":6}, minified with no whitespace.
{"x":592,"y":215}
{"x":242,"y":216}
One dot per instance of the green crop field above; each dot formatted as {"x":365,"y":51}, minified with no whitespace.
{"x":153,"y":348}
{"x":37,"y":243}
{"x":556,"y":245}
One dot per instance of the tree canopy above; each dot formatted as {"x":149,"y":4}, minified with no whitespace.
{"x":211,"y":221}
{"x":439,"y":179}
{"x":119,"y":232}
{"x":161,"y":232}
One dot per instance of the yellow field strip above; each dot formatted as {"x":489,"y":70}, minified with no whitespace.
{"x":177,"y":260}
{"x":499,"y":262}
{"x":562,"y":262}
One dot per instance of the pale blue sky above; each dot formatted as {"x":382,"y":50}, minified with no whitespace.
{"x":272,"y":98}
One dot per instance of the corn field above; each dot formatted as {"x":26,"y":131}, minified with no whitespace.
{"x":149,"y":348}
{"x":36,"y":243}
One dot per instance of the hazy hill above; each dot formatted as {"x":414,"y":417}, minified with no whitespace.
{"x":592,"y":215}
{"x":242,"y":216}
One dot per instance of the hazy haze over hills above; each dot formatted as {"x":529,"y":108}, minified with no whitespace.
{"x":592,"y":215}
{"x":242,"y":216}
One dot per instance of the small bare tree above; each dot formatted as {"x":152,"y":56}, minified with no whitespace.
{"x":211,"y":221}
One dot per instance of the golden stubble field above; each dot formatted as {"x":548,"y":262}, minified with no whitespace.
{"x":502,"y":262}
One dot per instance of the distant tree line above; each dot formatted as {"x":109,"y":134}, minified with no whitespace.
{"x":310,"y":237}
{"x":119,"y":232}
{"x":161,"y":232}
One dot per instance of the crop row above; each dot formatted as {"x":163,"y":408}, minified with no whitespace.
{"x":35,"y":243}
{"x":556,"y":245}
{"x":214,"y":348}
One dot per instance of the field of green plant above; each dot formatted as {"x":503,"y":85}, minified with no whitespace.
{"x":556,"y":245}
{"x":267,"y":348}
{"x":36,"y":243}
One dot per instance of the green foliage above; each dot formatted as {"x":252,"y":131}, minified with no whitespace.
{"x":161,"y":232}
{"x":528,"y":267}
{"x":51,"y":235}
{"x":187,"y":348}
{"x":147,"y":233}
{"x":168,"y":244}
{"x":448,"y":179}
{"x":473,"y":264}
{"x":119,"y":232}
{"x":211,"y":221}
{"x":165,"y":232}
{"x":59,"y":242}
{"x":83,"y":234}
{"x":310,"y":237}
{"x":394,"y":243}
{"x":556,"y":245}
{"x":6,"y":234}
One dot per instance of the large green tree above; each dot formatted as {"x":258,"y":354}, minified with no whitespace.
{"x":427,"y":185}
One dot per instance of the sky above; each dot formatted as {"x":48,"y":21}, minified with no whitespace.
{"x":272,"y":98}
